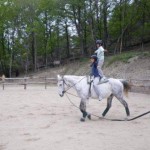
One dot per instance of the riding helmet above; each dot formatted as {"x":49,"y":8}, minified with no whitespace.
{"x":99,"y":42}
{"x":94,"y":57}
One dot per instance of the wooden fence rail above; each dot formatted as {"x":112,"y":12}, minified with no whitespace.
{"x":26,"y":81}
{"x":139,"y":85}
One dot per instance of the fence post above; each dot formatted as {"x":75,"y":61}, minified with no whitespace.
{"x":45,"y":82}
{"x":25,"y":83}
{"x":3,"y":81}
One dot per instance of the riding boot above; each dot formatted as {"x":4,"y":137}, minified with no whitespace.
{"x":103,"y":80}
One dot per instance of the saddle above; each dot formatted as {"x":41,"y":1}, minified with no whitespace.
{"x":102,"y":80}
{"x":90,"y":80}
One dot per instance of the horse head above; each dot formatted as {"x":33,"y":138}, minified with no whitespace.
{"x":60,"y":85}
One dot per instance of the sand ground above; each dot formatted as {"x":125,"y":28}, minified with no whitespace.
{"x":38,"y":119}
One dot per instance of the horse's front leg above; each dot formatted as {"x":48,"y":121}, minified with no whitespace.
{"x":83,"y":110}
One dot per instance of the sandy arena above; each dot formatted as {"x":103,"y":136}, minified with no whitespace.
{"x":38,"y":119}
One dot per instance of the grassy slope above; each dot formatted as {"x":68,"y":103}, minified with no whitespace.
{"x":134,"y":66}
{"x":111,"y":62}
{"x":126,"y":65}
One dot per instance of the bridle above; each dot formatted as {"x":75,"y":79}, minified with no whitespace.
{"x":64,"y":83}
{"x":69,"y":87}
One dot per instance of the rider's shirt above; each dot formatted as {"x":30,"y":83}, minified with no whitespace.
{"x":100,"y":53}
{"x":94,"y":70}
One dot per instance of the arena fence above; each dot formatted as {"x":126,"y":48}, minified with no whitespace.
{"x":28,"y":81}
{"x":142,"y":86}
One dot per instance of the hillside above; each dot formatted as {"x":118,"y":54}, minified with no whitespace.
{"x":132,"y":66}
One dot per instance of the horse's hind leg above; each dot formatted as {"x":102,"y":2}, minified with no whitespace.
{"x":124,"y":103}
{"x":109,"y":102}
{"x":83,"y":110}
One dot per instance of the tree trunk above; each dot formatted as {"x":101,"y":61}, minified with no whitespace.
{"x":34,"y":53}
{"x":67,"y":40}
{"x":77,"y":20}
{"x":105,"y":7}
{"x":46,"y":38}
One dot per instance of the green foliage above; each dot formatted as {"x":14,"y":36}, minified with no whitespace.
{"x":124,"y":57}
{"x":146,"y":54}
{"x":84,"y":59}
{"x":43,"y":28}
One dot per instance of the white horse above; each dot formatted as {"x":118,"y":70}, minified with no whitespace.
{"x":114,"y":87}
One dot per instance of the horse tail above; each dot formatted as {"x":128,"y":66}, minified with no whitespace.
{"x":126,"y":86}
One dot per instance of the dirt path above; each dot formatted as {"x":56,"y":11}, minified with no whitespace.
{"x":38,"y":119}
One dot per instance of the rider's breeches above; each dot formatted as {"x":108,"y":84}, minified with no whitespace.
{"x":99,"y":67}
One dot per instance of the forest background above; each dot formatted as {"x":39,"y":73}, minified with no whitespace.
{"x":35,"y":33}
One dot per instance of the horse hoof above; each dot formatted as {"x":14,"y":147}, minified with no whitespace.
{"x":89,"y":116}
{"x":126,"y":118}
{"x":102,"y":117}
{"x":82,"y":119}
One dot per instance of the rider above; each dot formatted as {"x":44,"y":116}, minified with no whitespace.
{"x":94,"y":63}
{"x":100,"y":55}
{"x":95,"y":74}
